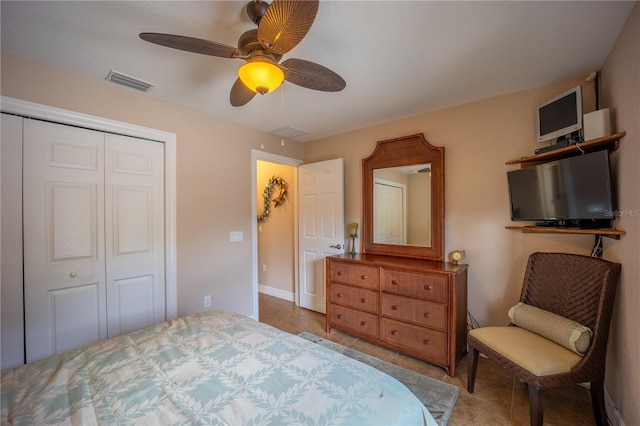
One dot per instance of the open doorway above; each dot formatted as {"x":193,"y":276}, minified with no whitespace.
{"x":276,"y":233}
{"x":316,"y":227}
{"x":274,"y":239}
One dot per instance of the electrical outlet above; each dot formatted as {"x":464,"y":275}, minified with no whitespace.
{"x":207,"y":301}
{"x":264,"y":267}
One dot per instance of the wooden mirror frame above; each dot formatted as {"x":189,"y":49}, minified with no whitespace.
{"x":407,"y":150}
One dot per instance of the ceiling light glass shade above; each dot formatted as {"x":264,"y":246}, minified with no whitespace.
{"x":261,"y":77}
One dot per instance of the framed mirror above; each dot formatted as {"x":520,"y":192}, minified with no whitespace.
{"x":403,"y":199}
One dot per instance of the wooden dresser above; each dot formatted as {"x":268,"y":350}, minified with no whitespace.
{"x":417,"y":307}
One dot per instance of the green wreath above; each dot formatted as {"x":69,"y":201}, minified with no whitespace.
{"x":268,"y":191}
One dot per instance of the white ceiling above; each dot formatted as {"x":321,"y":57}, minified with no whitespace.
{"x":399,"y":58}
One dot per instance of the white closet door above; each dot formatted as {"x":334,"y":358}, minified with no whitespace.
{"x":134,"y":206}
{"x":389,"y":213}
{"x":64,"y":262}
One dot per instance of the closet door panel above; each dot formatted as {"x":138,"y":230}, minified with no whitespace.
{"x":133,"y":305}
{"x":72,"y":221}
{"x":74,"y":316}
{"x":134,"y":188}
{"x":64,"y":259}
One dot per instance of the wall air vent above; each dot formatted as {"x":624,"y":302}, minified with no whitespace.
{"x":128,"y":81}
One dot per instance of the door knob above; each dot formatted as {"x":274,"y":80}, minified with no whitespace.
{"x":336,"y":246}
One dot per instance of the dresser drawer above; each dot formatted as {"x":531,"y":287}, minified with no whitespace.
{"x":429,"y":343}
{"x":359,"y":321}
{"x":362,"y":276}
{"x":355,"y":297}
{"x":417,"y":311}
{"x":427,"y":286}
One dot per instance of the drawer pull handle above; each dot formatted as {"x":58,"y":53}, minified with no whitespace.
{"x":339,"y":294}
{"x":395,"y":282}
{"x":363,"y":323}
{"x":340,"y":273}
{"x":394,"y":307}
{"x":73,"y":274}
{"x":426,"y":341}
{"x":427,"y":314}
{"x":364,"y":277}
{"x":394,"y":332}
{"x":427,"y":287}
{"x":363,"y":300}
{"x":340,"y":316}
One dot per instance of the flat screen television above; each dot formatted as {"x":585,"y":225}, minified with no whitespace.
{"x":560,"y":116}
{"x":572,"y":192}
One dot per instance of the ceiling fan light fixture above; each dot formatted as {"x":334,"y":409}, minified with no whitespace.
{"x":260,"y":76}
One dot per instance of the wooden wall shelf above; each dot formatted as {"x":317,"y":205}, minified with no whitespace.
{"x":607,"y":232}
{"x":607,"y":142}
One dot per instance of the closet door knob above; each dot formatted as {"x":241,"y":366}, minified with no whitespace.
{"x":73,"y":274}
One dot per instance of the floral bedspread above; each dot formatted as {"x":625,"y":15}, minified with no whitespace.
{"x":210,"y":368}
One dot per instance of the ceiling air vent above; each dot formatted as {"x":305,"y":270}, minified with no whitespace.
{"x":287,"y":133}
{"x":128,"y":81}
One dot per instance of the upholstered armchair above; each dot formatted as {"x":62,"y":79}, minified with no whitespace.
{"x":559,"y":330}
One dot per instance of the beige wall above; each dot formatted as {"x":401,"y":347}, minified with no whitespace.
{"x":419,"y":209}
{"x":621,"y":93}
{"x":213,"y":176}
{"x":276,"y":235}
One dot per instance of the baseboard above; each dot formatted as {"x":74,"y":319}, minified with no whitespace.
{"x":276,"y":292}
{"x":612,"y":412}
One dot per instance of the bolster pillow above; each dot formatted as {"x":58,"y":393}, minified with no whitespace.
{"x":563,"y":331}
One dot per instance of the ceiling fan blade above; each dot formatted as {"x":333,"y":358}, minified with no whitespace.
{"x":312,"y":76}
{"x":285,"y":23}
{"x":190,"y":44}
{"x":240,"y":94}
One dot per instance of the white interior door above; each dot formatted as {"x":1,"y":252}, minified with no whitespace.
{"x":64,"y":267}
{"x":134,"y":227}
{"x":321,"y":227}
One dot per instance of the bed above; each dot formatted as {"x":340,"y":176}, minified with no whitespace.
{"x":215,"y":367}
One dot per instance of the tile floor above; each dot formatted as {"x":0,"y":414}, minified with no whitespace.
{"x":498,"y":399}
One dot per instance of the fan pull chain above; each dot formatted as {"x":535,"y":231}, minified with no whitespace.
{"x":262,"y":120}
{"x":282,"y":113}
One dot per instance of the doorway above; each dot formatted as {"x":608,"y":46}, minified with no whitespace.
{"x":274,"y":242}
{"x":276,"y":233}
{"x":318,"y":225}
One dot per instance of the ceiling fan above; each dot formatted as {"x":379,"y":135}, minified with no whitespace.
{"x":281,"y":26}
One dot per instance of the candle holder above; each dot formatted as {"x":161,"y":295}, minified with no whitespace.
{"x":353,"y":234}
